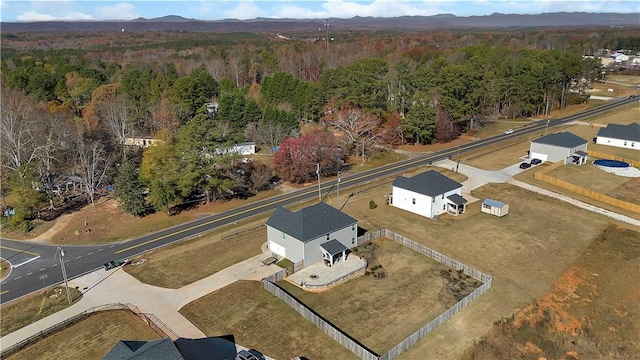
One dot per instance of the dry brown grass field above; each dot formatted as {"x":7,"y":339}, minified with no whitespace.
{"x":591,"y":312}
{"x":91,"y":338}
{"x":261,"y":321}
{"x":34,"y":307}
{"x":175,"y":266}
{"x":525,"y":251}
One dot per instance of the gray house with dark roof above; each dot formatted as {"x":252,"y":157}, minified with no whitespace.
{"x":315,"y":233}
{"x":562,"y":146}
{"x":624,"y":136}
{"x":428,"y":194}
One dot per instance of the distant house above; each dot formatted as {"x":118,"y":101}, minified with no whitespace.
{"x":624,"y":136}
{"x":562,"y":146}
{"x":214,"y":348}
{"x":141,"y":142}
{"x":246,"y":148}
{"x":315,"y":233}
{"x":495,"y":207}
{"x":428,"y":194}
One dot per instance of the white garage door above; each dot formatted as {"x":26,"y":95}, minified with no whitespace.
{"x":540,"y":156}
{"x":277,"y":249}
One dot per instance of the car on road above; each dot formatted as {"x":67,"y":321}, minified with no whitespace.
{"x":536,"y":161}
{"x":113,"y":264}
{"x":633,"y":96}
{"x":508,"y":131}
{"x":525,"y":165}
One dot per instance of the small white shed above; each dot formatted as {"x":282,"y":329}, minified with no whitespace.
{"x":495,"y":207}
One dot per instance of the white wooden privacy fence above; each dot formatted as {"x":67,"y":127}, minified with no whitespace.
{"x":352,"y":344}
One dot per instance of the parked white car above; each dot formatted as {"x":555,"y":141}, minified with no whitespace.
{"x":508,"y":131}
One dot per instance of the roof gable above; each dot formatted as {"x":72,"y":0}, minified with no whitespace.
{"x":562,"y":139}
{"x":630,"y":132}
{"x":430,"y":183}
{"x":311,"y":222}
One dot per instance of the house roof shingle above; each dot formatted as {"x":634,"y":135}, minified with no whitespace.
{"x":630,"y":132}
{"x":311,"y":222}
{"x":430,"y":183}
{"x":161,"y":349}
{"x":562,"y":139}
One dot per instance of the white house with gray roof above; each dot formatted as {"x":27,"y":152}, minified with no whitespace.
{"x":315,"y":233}
{"x":624,"y":136}
{"x":562,"y":146}
{"x":428,"y":194}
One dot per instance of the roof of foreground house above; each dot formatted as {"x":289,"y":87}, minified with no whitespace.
{"x":430,"y":183}
{"x":211,"y":348}
{"x":311,"y":222}
{"x":561,"y":139}
{"x":162,"y":349}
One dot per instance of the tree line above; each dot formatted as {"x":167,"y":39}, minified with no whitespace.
{"x":73,"y":114}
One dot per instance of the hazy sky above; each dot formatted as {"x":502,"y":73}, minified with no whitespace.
{"x":27,"y":10}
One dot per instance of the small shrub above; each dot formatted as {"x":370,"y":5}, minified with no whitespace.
{"x":372,"y":204}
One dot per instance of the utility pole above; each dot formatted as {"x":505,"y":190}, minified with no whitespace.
{"x":547,"y":127}
{"x":318,"y":173}
{"x":326,"y":26}
{"x":338,"y":190}
{"x":64,"y":273}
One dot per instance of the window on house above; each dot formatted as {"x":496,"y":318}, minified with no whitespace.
{"x":413,"y":201}
{"x":625,"y":143}
{"x":327,"y":236}
{"x":353,"y":241}
{"x":442,"y":196}
{"x":444,"y":207}
{"x":353,"y":227}
{"x":282,"y":236}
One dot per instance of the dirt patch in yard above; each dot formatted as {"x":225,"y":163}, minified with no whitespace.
{"x":261,"y":321}
{"x":591,"y":312}
{"x":91,"y":338}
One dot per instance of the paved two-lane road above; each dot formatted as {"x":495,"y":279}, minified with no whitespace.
{"x":38,"y":265}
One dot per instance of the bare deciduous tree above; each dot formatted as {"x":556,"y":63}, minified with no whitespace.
{"x":18,"y":130}
{"x":115,"y":115}
{"x":359,"y":127}
{"x":92,"y":163}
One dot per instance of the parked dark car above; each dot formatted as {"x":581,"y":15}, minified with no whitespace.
{"x":536,"y":161}
{"x":525,"y":165}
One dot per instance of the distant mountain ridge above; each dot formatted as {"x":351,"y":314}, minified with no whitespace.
{"x":410,"y":23}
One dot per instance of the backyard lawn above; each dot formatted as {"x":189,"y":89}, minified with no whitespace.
{"x":381,"y":312}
